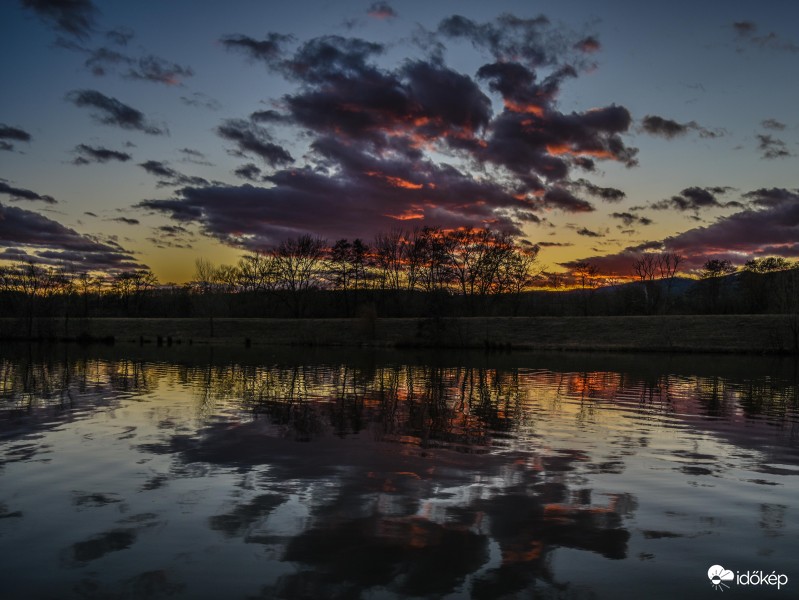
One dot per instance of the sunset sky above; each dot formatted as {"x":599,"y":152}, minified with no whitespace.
{"x":151,"y":133}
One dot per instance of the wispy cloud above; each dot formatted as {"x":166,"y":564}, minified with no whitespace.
{"x":110,"y":111}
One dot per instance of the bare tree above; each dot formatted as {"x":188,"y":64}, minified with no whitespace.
{"x":298,"y":263}
{"x":668,"y":264}
{"x":585,"y":275}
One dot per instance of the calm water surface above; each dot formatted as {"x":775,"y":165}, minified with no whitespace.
{"x":200,"y":473}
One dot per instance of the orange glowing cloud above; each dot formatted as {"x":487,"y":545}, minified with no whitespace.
{"x":561,"y":149}
{"x":518,"y":107}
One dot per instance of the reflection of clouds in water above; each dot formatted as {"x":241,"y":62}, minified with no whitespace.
{"x":420,"y":479}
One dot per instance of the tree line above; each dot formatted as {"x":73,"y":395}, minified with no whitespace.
{"x":421,"y":272}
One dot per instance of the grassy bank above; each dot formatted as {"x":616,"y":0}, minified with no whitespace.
{"x":758,"y":334}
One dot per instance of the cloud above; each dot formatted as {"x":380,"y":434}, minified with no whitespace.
{"x":120,"y":35}
{"x":509,"y":38}
{"x":695,"y":199}
{"x":249,"y":172}
{"x":75,"y":17}
{"x":381,"y":11}
{"x":267,"y":116}
{"x":384,"y":193}
{"x":772,"y":124}
{"x":669,"y":129}
{"x":769,"y":227}
{"x":410,"y":145}
{"x":584,"y":231}
{"x":744,"y":28}
{"x":608,"y":194}
{"x":249,"y":138}
{"x":194,"y":156}
{"x":126,"y":220}
{"x":155,"y":69}
{"x":772,"y":147}
{"x":168,"y":176}
{"x":16,"y":193}
{"x":201,"y":100}
{"x":97,"y":154}
{"x":564,"y":200}
{"x":145,"y":68}
{"x":110,"y":111}
{"x":269,"y":50}
{"x":746,"y":32}
{"x":588,"y":45}
{"x":15,"y":134}
{"x":55,"y":244}
{"x":629,"y":218}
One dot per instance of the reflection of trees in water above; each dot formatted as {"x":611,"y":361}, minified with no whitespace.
{"x":458,"y":407}
{"x":393,"y":533}
{"x":466,"y":408}
{"x":31,"y":383}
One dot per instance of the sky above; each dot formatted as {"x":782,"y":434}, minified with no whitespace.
{"x":149,"y":134}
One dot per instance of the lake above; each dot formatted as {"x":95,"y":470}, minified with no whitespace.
{"x":203,"y":472}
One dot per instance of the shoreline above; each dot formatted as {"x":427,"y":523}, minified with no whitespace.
{"x":738,"y":334}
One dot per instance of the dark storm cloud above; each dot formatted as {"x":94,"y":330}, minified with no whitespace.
{"x":167,"y":176}
{"x":629,"y":218}
{"x":270,"y":49}
{"x":772,"y":147}
{"x":669,"y":129}
{"x":201,"y":100}
{"x":75,"y":17}
{"x":696,"y":199}
{"x":57,"y":244}
{"x":16,"y":193}
{"x":770,"y":228}
{"x":249,"y":172}
{"x":110,"y":111}
{"x":97,"y":154}
{"x":381,"y":10}
{"x":249,"y":138}
{"x":772,"y":124}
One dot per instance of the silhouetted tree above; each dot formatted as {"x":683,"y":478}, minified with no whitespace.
{"x":713,"y":275}
{"x":298,"y":264}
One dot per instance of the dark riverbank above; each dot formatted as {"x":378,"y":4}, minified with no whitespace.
{"x":759,"y":334}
